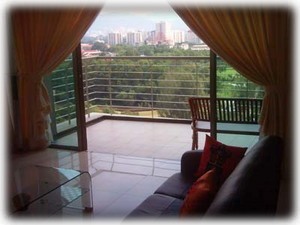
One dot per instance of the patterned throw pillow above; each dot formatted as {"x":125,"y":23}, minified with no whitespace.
{"x":223,"y":158}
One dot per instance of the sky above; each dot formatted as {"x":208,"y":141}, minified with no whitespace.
{"x":131,"y":18}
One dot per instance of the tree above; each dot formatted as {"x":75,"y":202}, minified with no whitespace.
{"x":176,"y":85}
{"x":146,"y":50}
{"x":100,"y":46}
{"x":231,"y":84}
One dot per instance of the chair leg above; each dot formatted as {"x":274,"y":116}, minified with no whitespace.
{"x":195,"y":140}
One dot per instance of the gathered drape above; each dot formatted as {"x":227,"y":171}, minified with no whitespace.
{"x":256,"y":42}
{"x":43,"y":38}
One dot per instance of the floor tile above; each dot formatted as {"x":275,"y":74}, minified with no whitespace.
{"x":121,"y":207}
{"x":102,"y":200}
{"x":115,"y":182}
{"x":146,"y":186}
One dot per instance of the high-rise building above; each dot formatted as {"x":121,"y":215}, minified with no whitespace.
{"x":151,"y":38}
{"x":192,"y":38}
{"x":134,"y":38}
{"x":163,"y":32}
{"x":114,"y":38}
{"x":178,"y":36}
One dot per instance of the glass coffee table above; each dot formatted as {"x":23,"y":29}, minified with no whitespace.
{"x":40,"y":190}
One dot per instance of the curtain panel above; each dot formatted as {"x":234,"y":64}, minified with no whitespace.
{"x":43,"y":38}
{"x":256,"y":42}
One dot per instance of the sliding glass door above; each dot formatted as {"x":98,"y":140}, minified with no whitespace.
{"x":65,"y":89}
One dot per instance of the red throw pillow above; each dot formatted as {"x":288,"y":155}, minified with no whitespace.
{"x":200,"y":195}
{"x":222,"y":157}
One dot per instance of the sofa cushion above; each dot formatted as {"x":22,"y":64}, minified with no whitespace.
{"x":200,"y":195}
{"x":252,"y":188}
{"x":176,"y":186}
{"x":190,"y":162}
{"x":157,"y":205}
{"x":220,"y":156}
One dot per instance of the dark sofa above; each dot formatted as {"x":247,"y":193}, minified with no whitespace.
{"x":250,"y":190}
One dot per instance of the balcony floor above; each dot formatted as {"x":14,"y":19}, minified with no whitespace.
{"x":143,"y":139}
{"x":148,"y":139}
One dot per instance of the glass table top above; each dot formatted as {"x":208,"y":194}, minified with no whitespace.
{"x":37,"y":185}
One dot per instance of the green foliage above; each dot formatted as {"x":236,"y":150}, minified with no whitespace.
{"x":61,"y":83}
{"x":176,"y":85}
{"x":100,"y":46}
{"x":108,"y":109}
{"x":231,"y":84}
{"x":154,"y":50}
{"x":161,"y":84}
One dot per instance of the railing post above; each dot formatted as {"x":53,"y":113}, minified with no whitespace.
{"x":87,"y":98}
{"x":110,"y":90}
{"x":197,"y":79}
{"x":152,"y":99}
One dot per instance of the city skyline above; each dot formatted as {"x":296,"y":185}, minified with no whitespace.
{"x":162,"y":34}
{"x":112,"y":19}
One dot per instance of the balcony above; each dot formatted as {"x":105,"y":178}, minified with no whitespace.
{"x":141,"y":88}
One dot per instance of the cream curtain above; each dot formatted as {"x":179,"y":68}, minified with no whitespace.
{"x":43,"y":38}
{"x":256,"y":42}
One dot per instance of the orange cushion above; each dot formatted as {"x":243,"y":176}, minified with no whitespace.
{"x":222,"y":157}
{"x":200,"y":195}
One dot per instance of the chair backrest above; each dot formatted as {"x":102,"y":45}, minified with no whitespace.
{"x":229,"y":110}
{"x":200,"y":108}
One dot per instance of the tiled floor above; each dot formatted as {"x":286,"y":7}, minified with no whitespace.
{"x":127,"y":161}
{"x":145,"y":139}
{"x":148,"y":139}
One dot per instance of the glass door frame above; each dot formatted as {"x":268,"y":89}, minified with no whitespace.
{"x":213,"y":94}
{"x":79,"y":96}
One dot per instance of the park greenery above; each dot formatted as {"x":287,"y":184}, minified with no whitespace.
{"x":118,"y":85}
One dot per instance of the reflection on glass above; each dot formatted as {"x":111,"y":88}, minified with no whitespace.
{"x":60,"y":85}
{"x":39,"y":190}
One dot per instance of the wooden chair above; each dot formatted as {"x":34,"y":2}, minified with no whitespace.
{"x":234,"y":116}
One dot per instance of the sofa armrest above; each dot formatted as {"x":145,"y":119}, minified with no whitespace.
{"x":190,"y":161}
